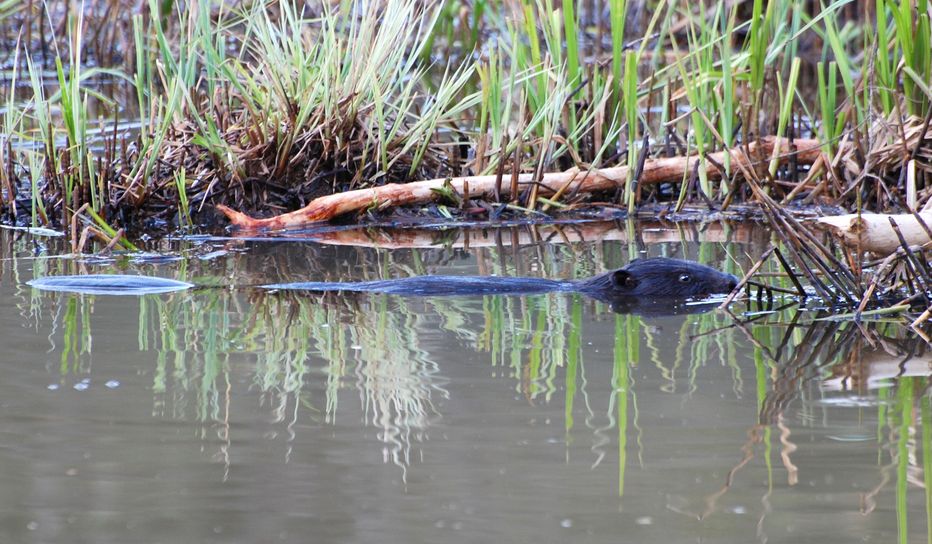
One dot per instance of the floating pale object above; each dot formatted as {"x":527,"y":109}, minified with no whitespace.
{"x":109,"y":284}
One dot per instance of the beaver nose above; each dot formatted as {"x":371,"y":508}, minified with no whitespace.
{"x":732,"y":282}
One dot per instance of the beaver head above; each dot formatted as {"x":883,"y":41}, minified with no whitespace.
{"x":660,"y":277}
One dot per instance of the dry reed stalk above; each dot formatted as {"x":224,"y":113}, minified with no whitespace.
{"x":747,"y":276}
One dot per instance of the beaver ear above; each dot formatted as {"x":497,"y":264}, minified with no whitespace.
{"x":621,"y":279}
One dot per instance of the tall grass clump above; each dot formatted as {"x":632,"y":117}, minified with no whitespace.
{"x":265,"y":106}
{"x":317,"y":103}
{"x":912,"y":31}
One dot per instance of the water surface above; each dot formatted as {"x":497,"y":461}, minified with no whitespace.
{"x":227,"y":414}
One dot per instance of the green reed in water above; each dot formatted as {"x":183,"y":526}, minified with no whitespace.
{"x":905,"y":401}
{"x":925,"y":414}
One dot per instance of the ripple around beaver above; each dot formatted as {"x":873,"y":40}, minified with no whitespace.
{"x":129,"y":285}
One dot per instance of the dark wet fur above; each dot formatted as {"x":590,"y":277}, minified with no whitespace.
{"x":642,"y":278}
{"x":659,"y":277}
{"x":440,"y":286}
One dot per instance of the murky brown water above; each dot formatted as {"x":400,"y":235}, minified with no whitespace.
{"x":228,"y":415}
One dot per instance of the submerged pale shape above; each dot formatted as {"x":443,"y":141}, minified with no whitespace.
{"x":109,"y":284}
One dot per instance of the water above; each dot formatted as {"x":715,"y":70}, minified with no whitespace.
{"x":225,"y":414}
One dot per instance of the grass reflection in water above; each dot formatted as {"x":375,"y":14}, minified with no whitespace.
{"x":312,"y":361}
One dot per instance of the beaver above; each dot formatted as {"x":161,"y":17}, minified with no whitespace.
{"x":658,"y":277}
{"x":653,"y":285}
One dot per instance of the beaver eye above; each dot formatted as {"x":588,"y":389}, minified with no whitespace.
{"x":685,"y":278}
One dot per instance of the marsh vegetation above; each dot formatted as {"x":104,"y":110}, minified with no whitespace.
{"x":148,"y":119}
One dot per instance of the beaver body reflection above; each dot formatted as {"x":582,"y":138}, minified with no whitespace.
{"x":654,"y":278}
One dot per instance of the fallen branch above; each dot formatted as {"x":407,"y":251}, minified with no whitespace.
{"x":570,"y":182}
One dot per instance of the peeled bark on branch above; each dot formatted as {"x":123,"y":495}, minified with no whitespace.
{"x":572,"y":181}
{"x":872,"y":231}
